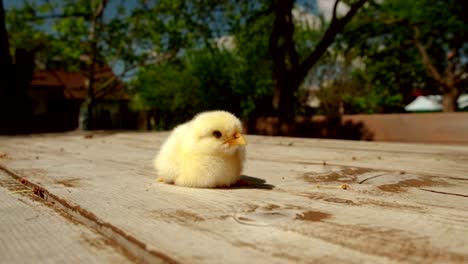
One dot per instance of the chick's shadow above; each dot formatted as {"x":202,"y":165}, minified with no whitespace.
{"x":253,"y":183}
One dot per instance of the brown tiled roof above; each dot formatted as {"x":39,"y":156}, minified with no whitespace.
{"x":73,"y":84}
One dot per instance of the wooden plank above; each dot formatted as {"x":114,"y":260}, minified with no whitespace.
{"x":33,"y":232}
{"x":416,"y":216}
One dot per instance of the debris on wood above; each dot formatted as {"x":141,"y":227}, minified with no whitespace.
{"x":342,"y":186}
{"x":39,"y":192}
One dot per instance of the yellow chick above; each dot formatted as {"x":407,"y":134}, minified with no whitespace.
{"x":205,"y":152}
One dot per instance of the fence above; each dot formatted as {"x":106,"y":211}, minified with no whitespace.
{"x":420,"y":127}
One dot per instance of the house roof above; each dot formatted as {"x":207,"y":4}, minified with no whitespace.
{"x":74,"y":84}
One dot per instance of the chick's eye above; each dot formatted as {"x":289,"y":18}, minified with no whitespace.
{"x":217,"y":134}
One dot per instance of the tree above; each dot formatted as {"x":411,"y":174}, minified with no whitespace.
{"x":450,"y":72}
{"x":410,"y":45}
{"x":288,"y":70}
{"x":6,"y":82}
{"x":14,"y":78}
{"x":233,"y":76}
{"x":253,"y":47}
{"x":74,"y":36}
{"x":87,"y":36}
{"x":204,"y":79}
{"x":6,"y":70}
{"x":93,"y":57}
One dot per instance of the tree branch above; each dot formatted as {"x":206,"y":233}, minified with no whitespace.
{"x":100,"y":9}
{"x":335,"y":27}
{"x":280,"y":30}
{"x":106,"y":86}
{"x":335,"y":6}
{"x":93,"y":47}
{"x":425,"y":57}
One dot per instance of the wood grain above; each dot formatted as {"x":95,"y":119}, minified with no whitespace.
{"x":406,"y":203}
{"x":33,"y":232}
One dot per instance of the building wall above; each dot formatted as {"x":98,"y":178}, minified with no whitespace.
{"x":418,"y":127}
{"x":451,"y":128}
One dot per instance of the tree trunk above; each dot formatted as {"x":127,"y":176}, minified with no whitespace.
{"x":449,"y":100}
{"x":288,"y":70}
{"x":7,"y":80}
{"x":285,"y":87}
{"x":93,"y":52}
{"x":6,"y":70}
{"x":449,"y":80}
{"x":91,"y":79}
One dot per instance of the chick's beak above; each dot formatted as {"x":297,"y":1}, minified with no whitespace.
{"x":237,"y":139}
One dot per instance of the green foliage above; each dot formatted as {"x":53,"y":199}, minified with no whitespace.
{"x":383,"y":37}
{"x":21,"y":33}
{"x":170,"y":46}
{"x":56,"y":30}
{"x":203,"y":80}
{"x":357,"y":96}
{"x":254,"y":74}
{"x":208,"y":75}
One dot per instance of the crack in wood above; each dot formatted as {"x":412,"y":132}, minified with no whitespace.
{"x":130,"y":246}
{"x":375,"y":176}
{"x":447,"y":193}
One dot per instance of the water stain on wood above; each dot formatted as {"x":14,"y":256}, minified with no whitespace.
{"x":180,"y":216}
{"x":251,"y":208}
{"x":69,"y":182}
{"x":99,"y":243}
{"x":400,"y":245}
{"x":314,"y":195}
{"x":313,"y":216}
{"x":346,"y":175}
{"x":244,"y":244}
{"x":271,"y":207}
{"x":329,"y":198}
{"x":390,"y":205}
{"x":360,"y":202}
{"x":187,"y":216}
{"x":404,"y":185}
{"x":340,"y":200}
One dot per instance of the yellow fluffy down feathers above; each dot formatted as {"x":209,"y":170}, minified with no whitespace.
{"x":205,"y":152}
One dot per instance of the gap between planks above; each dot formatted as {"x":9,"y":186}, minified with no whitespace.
{"x":133,"y":248}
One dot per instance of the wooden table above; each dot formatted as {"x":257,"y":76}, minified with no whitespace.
{"x":93,"y":198}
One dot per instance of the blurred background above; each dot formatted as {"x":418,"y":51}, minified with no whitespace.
{"x":394,"y":70}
